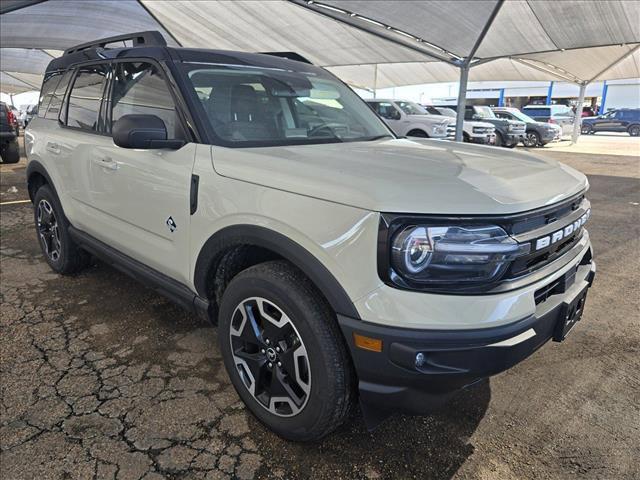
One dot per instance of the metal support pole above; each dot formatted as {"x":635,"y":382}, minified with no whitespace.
{"x":462,"y":101}
{"x":577,"y":123}
{"x":375,"y":80}
{"x":602,"y":110}
{"x":549,"y":93}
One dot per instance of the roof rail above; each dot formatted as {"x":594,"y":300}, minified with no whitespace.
{"x":288,"y":55}
{"x":149,"y":38}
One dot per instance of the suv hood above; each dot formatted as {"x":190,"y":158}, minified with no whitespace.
{"x":406,"y":176}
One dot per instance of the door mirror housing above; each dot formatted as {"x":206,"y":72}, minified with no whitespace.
{"x":144,"y":132}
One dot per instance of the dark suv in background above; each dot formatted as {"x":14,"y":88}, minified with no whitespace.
{"x":623,"y":120}
{"x":9,"y":148}
{"x":508,"y":132}
{"x":538,"y":133}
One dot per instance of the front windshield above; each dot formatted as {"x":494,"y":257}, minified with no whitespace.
{"x":254,"y":106}
{"x":521,"y":116}
{"x":483,"y":112}
{"x":447,"y":112}
{"x":412,"y":108}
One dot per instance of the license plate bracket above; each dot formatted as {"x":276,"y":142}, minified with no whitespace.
{"x":570,"y":314}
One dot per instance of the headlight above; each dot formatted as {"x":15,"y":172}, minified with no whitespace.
{"x":453,"y":255}
{"x":510,"y":127}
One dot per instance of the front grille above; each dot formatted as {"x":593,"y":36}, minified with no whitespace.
{"x":537,"y":227}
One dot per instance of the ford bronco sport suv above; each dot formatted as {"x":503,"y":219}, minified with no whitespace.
{"x":339,"y":262}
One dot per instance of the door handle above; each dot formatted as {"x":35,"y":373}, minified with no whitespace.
{"x":107,"y":162}
{"x":53,"y":148}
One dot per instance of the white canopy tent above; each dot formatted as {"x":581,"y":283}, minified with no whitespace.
{"x":369,"y":44}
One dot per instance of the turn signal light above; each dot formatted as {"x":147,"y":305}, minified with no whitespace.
{"x":367,"y":343}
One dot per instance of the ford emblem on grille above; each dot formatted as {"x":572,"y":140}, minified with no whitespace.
{"x":544,"y":242}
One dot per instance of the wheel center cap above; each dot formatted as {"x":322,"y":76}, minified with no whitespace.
{"x":271,"y":354}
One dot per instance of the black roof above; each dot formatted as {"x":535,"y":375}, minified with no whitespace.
{"x":152,"y":45}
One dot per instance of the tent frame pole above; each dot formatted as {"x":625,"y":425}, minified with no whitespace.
{"x":577,"y":122}
{"x":462,"y":102}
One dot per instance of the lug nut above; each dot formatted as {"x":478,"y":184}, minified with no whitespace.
{"x":263,"y":351}
{"x":279,"y":364}
{"x":277,"y":349}
{"x":267,"y":342}
{"x":270,"y":364}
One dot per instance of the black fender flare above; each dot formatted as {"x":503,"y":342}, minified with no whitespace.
{"x":35,"y":166}
{"x":281,"y":245}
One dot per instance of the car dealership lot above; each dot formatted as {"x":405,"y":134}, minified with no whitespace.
{"x":103,"y":377}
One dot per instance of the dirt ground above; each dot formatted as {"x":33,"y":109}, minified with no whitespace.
{"x":102,"y":378}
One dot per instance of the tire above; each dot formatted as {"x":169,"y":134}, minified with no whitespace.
{"x":499,"y":140}
{"x":531,"y":139}
{"x":634,"y":130}
{"x":52,"y":230}
{"x":418,"y":134}
{"x":10,"y":152}
{"x":322,"y":381}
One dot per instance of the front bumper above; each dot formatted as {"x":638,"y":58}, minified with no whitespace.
{"x":454,"y":359}
{"x":486,"y":139}
{"x":513,"y":138}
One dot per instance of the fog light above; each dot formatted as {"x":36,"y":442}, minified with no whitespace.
{"x":421,"y":359}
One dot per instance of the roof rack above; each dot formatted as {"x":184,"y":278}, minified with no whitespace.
{"x":149,"y":38}
{"x":288,"y":55}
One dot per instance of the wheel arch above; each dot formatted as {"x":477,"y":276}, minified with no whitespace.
{"x":229,"y":238}
{"x":417,"y":129}
{"x":37,"y":176}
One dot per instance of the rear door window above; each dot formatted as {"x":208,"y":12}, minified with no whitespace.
{"x":86,"y":97}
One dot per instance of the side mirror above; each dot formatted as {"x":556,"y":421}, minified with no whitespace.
{"x":142,"y":131}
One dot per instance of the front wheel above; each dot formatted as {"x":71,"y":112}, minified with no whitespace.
{"x":634,"y":130}
{"x":284,"y":352}
{"x":531,"y":139}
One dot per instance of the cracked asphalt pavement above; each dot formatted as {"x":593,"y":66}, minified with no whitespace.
{"x":102,"y":378}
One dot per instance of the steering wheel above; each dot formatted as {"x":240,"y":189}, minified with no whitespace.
{"x":325,"y":126}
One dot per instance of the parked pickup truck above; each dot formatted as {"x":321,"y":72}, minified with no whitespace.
{"x":473,"y":132}
{"x":9,"y":148}
{"x":343,"y":266}
{"x":538,"y":133}
{"x":508,"y":132}
{"x":408,"y":119}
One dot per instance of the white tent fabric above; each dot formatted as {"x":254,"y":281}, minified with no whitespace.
{"x":371,"y":44}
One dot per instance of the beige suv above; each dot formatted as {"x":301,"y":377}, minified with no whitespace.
{"x":339,"y":262}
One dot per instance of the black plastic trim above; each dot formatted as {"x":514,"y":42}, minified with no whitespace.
{"x":452,"y":359}
{"x":263,"y":237}
{"x":159,"y":282}
{"x":193,"y":194}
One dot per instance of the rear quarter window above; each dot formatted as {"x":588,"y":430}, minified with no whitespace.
{"x":52,"y":110}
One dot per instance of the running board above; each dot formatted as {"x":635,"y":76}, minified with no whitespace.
{"x":159,"y":282}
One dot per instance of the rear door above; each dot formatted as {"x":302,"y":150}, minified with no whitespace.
{"x":141,"y":198}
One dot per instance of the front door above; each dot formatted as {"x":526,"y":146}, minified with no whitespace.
{"x":392,"y":117}
{"x":140,"y":198}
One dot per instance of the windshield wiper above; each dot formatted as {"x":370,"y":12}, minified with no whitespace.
{"x":376,"y":137}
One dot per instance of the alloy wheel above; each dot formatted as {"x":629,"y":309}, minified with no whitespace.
{"x":531,"y":140}
{"x":48,"y":230}
{"x":270,"y":357}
